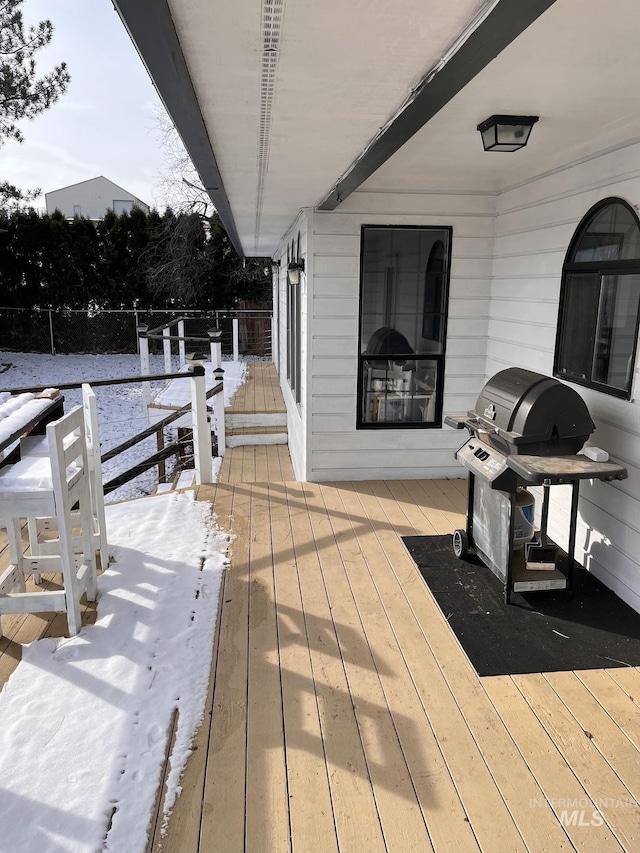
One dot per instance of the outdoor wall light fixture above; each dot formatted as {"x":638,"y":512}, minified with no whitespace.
{"x":275,"y":267}
{"x":294,"y":271}
{"x":506,"y":133}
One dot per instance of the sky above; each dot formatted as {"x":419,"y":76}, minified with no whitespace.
{"x":105,"y":124}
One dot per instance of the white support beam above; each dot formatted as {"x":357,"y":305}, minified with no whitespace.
{"x":145,"y":366}
{"x":166,"y":349}
{"x":182,"y":350}
{"x":236,"y":338}
{"x":201,"y":427}
{"x":218,"y":409}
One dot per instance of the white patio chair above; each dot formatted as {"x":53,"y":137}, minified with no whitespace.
{"x":40,"y":539}
{"x":48,"y":487}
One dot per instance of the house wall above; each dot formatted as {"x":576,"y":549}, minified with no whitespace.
{"x":297,"y":413}
{"x":534,"y":225}
{"x":507,"y":257}
{"x":336,"y":450}
{"x":93,"y":197}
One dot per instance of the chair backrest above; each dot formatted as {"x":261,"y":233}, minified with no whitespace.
{"x":67,"y":450}
{"x":90,"y":411}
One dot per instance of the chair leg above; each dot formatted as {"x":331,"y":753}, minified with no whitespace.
{"x":97,"y":510}
{"x":14,"y":537}
{"x":88,"y":548}
{"x":72,"y":588}
{"x":16,"y":550}
{"x":34,"y":544}
{"x":72,"y":592}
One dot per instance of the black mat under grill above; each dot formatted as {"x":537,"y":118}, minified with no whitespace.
{"x":544,"y":632}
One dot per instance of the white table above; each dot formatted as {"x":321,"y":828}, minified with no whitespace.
{"x":25,"y":413}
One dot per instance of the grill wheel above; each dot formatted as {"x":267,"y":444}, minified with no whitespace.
{"x":460,"y":544}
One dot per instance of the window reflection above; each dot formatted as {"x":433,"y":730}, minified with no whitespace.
{"x":402,"y":325}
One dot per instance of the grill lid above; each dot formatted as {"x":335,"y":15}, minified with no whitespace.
{"x":529,"y":413}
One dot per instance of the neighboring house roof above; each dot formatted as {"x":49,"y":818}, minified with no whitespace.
{"x":300,"y":105}
{"x":98,"y":191}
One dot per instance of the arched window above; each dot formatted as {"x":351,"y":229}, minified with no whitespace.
{"x":600,"y":301}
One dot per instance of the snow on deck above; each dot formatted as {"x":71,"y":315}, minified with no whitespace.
{"x":84,"y":721}
{"x":177,"y":393}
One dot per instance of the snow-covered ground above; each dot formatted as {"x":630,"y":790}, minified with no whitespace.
{"x":84,"y":721}
{"x":120,"y":407}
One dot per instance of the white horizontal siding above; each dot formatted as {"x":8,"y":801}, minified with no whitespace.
{"x":297,"y":415}
{"x":533,"y":311}
{"x":335,"y":346}
{"x":336,"y":449}
{"x":507,"y":257}
{"x":534,"y":225}
{"x":365,"y":470}
{"x":472,"y":228}
{"x":334,"y":265}
{"x":428,"y":206}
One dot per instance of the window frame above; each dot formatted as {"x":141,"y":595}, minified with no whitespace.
{"x":440,"y":357}
{"x":294,"y":327}
{"x":601,"y":269}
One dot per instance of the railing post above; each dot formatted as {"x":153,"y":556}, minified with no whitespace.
{"x":136,"y":323}
{"x":236,"y":344}
{"x":201,"y":427}
{"x":181,"y":344}
{"x":53,"y":344}
{"x":218,"y":411}
{"x":215,"y":345}
{"x":145,"y":366}
{"x":166,"y":348}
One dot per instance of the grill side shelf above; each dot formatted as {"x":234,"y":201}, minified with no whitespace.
{"x":555,"y":470}
{"x":456,"y":421}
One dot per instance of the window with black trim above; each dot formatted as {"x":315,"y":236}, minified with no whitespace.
{"x":294,"y":325}
{"x":600,"y":301}
{"x":404,"y":281}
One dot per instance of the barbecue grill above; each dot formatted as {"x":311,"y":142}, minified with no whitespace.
{"x":526,"y":429}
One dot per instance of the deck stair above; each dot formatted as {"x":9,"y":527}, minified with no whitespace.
{"x":185,"y":479}
{"x":256,"y":433}
{"x":256,"y":428}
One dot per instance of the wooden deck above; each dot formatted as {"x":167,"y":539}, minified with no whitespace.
{"x":260,"y":393}
{"x":257,"y":463}
{"x":343,"y":714}
{"x":21,"y":628}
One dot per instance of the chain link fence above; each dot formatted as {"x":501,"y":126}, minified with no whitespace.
{"x":72,"y":331}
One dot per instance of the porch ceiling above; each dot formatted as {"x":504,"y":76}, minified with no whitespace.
{"x":290,"y":102}
{"x":277,"y":100}
{"x":290,"y":92}
{"x":576,"y":67}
